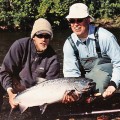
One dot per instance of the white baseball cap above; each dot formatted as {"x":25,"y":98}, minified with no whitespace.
{"x":79,"y":10}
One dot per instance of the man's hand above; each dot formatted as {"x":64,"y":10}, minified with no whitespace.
{"x":109,"y":91}
{"x":70,"y":97}
{"x":11,"y":98}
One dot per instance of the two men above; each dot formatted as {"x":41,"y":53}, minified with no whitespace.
{"x":91,"y":52}
{"x":98,"y":57}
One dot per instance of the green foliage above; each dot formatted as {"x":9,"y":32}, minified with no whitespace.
{"x":22,"y":13}
{"x":54,"y":10}
{"x":108,"y":8}
{"x":16,"y":12}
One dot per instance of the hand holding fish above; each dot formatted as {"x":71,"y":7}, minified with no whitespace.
{"x":109,"y":91}
{"x":11,"y":98}
{"x":70,"y":97}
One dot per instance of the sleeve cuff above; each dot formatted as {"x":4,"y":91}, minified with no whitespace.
{"x":112,"y":83}
{"x":9,"y":88}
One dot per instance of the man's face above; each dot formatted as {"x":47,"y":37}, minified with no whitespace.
{"x":80,"y":26}
{"x":41,"y":41}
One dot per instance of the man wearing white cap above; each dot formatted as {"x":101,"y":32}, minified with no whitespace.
{"x":27,"y":59}
{"x":91,"y":52}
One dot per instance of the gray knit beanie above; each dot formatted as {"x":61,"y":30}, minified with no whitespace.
{"x":41,"y":25}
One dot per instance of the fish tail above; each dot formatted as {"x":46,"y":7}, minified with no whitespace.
{"x":43,"y":108}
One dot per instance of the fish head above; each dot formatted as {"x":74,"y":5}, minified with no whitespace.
{"x":85,"y":85}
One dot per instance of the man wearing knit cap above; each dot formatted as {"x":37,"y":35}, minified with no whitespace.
{"x":27,"y":59}
{"x":91,"y":52}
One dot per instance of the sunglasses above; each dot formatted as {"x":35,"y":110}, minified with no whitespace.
{"x":79,"y":20}
{"x":46,"y":36}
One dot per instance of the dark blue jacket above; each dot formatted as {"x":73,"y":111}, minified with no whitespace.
{"x":22,"y":62}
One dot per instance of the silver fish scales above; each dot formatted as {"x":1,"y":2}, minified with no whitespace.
{"x":51,"y":91}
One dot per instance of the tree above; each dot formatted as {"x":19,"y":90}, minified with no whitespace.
{"x":22,"y":13}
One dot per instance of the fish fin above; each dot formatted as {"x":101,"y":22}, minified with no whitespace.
{"x":79,"y":93}
{"x":43,"y":108}
{"x":22,"y":108}
{"x":40,"y":80}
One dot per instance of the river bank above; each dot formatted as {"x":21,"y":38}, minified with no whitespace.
{"x":109,"y":22}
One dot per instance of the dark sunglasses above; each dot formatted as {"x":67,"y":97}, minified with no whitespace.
{"x":46,"y":36}
{"x":78,"y":20}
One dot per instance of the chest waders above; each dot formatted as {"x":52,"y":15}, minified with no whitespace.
{"x":99,"y":69}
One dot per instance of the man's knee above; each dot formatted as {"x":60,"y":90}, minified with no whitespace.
{"x":107,"y":67}
{"x":101,"y":78}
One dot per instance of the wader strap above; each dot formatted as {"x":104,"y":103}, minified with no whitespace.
{"x":76,"y":52}
{"x":98,"y":50}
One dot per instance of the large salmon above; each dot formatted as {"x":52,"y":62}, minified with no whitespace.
{"x":51,"y":91}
